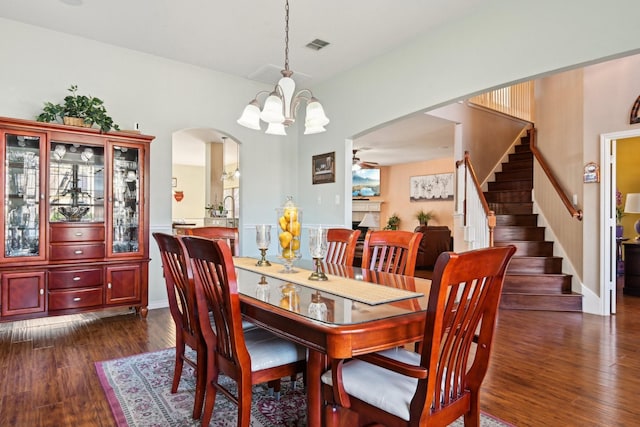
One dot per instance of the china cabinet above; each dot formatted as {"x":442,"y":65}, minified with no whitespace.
{"x":75,"y":233}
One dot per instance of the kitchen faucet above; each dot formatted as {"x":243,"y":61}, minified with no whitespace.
{"x":233,"y":207}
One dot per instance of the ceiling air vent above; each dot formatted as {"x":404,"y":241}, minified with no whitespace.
{"x":317,"y":44}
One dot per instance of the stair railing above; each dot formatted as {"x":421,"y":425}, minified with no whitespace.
{"x":575,"y":213}
{"x":473,"y":194}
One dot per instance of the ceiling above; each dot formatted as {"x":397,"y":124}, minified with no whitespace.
{"x":246,"y":38}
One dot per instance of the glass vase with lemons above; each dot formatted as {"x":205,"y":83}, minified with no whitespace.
{"x":289,"y":231}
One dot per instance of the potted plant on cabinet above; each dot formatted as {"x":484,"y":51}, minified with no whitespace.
{"x":424,"y":217}
{"x":78,"y":110}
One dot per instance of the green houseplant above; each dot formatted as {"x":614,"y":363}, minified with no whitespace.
{"x":393,"y":222}
{"x":424,"y":217}
{"x":88,"y":110}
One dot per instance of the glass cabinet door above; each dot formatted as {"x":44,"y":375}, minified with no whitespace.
{"x":22,"y":202}
{"x":76,"y":183}
{"x":126,"y":230}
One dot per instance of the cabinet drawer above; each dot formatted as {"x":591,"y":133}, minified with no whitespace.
{"x":63,"y":279}
{"x":77,"y":233}
{"x":76,"y":252}
{"x":77,"y":298}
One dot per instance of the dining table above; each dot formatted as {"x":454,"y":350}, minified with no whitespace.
{"x":353,"y":312}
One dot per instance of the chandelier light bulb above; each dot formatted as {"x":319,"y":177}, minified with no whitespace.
{"x":251,"y":116}
{"x":280,"y":105}
{"x":276,"y":129}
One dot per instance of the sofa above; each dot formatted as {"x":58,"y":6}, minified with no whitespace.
{"x":435,"y":240}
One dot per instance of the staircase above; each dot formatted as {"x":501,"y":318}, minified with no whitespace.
{"x":534,"y":279}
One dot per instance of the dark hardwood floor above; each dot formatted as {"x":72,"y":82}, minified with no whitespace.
{"x":547,"y":368}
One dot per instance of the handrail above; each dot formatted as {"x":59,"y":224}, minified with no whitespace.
{"x":575,"y":213}
{"x":491,"y":216}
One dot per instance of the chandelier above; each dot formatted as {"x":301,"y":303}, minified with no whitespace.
{"x":280,"y":106}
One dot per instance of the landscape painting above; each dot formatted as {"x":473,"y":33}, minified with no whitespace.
{"x":365,"y":183}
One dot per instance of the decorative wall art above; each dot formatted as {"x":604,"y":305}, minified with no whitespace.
{"x":591,"y":173}
{"x":323,"y":168}
{"x":635,"y":113}
{"x":431,"y":187}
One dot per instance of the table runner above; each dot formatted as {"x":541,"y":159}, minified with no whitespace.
{"x":357,"y":290}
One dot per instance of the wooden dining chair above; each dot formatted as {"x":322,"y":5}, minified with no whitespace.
{"x":228,"y":234}
{"x":182,"y":305}
{"x":249,"y":357}
{"x":391,"y":251}
{"x":341,"y":247}
{"x":442,"y":382}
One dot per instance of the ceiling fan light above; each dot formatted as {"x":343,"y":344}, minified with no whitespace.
{"x":276,"y":129}
{"x":355,"y":167}
{"x":315,"y":113}
{"x":250,"y":117}
{"x":272,"y":110}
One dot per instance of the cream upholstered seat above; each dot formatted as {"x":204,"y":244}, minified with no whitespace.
{"x":247,"y":356}
{"x":442,"y":382}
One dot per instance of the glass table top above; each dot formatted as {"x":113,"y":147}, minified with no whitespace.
{"x":327,"y":307}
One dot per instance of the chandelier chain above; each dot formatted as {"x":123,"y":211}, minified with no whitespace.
{"x":286,"y":35}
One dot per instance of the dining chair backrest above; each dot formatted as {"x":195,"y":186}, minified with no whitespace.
{"x":216,"y":289}
{"x":341,"y":247}
{"x":228,"y":234}
{"x":182,"y":305}
{"x":465,"y":294}
{"x":441,"y":382}
{"x":391,"y":251}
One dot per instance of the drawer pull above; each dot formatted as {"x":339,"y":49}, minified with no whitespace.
{"x":41,"y":291}
{"x":76,"y":278}
{"x":76,"y":299}
{"x":78,"y":252}
{"x":79,"y":233}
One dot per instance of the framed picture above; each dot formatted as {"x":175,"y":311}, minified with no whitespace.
{"x":323,"y":168}
{"x":591,"y":173}
{"x":431,"y":187}
{"x":174,"y":182}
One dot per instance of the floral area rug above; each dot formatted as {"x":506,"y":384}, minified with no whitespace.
{"x":138,"y":389}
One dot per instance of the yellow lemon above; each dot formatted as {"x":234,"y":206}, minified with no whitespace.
{"x":291,"y":214}
{"x":288,"y":253}
{"x":295,"y":244}
{"x":283,"y":223}
{"x":288,"y":289}
{"x":285,"y":239}
{"x":294,"y":228}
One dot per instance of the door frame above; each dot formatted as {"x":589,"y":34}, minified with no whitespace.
{"x":608,"y":249}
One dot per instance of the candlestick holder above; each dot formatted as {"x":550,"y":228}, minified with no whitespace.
{"x":263,"y":261}
{"x":318,"y":274}
{"x":317,"y":308}
{"x":318,"y":249}
{"x":263,"y":239}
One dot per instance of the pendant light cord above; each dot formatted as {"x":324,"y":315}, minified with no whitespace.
{"x":286,"y":35}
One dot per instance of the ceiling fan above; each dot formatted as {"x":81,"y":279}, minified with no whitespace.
{"x":359,"y":164}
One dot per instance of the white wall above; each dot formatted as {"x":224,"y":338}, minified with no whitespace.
{"x":190,"y":180}
{"x":506,"y":42}
{"x":163,"y":96}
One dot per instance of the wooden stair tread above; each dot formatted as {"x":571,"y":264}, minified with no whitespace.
{"x":534,"y":279}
